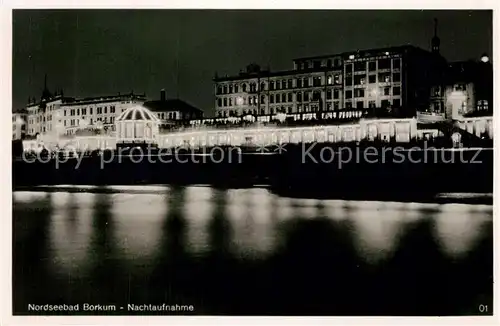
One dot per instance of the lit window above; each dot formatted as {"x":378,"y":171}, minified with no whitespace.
{"x":330,"y":80}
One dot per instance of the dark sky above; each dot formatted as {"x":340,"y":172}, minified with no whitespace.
{"x":99,"y":52}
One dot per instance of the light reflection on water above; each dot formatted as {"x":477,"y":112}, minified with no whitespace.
{"x":86,"y":229}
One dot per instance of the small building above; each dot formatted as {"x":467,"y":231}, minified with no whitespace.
{"x":137,"y":127}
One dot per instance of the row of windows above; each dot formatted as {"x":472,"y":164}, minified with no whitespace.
{"x":372,"y":104}
{"x":384,"y":77}
{"x":83,"y":111}
{"x":76,"y":122}
{"x":316,"y":81}
{"x":311,"y":108}
{"x":310,"y":96}
{"x":386,"y":91}
{"x":170,"y":115}
{"x":316,"y":64}
{"x":281,"y":84}
{"x":373,"y":65}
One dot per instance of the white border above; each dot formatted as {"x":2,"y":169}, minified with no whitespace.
{"x":5,"y":157}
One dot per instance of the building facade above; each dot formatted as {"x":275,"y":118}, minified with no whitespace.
{"x":466,"y":90}
{"x":95,"y":112}
{"x":389,"y":80}
{"x":19,"y":124}
{"x":57,"y":115}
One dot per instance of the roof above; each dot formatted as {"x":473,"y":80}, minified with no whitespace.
{"x":108,"y":98}
{"x":170,"y":105}
{"x":399,"y":48}
{"x":137,"y":112}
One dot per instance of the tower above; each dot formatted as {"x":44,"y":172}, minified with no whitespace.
{"x":436,"y":42}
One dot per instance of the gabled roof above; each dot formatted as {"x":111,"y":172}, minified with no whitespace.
{"x":170,"y":105}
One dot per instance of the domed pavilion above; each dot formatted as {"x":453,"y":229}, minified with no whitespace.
{"x":137,"y":126}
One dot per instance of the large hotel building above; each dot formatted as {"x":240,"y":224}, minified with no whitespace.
{"x":55,"y":114}
{"x":396,"y":79}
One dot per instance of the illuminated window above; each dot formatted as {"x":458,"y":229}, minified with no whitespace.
{"x":359,"y":80}
{"x":482,"y":105}
{"x":329,"y":80}
{"x":337,"y":80}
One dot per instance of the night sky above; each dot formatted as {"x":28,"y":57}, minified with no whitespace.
{"x":100,"y":52}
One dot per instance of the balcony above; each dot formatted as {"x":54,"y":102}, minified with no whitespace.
{"x":430,"y":117}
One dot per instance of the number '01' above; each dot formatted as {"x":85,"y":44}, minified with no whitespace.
{"x":483,"y":308}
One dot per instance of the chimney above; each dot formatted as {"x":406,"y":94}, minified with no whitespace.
{"x":163,"y":95}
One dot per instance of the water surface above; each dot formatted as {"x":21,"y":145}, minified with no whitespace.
{"x":249,"y":251}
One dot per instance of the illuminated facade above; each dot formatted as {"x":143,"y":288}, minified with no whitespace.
{"x":57,"y":115}
{"x":137,"y":125}
{"x":380,"y":80}
{"x":19,"y":122}
{"x":466,"y":90}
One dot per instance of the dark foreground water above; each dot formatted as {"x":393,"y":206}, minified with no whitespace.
{"x":248,"y":251}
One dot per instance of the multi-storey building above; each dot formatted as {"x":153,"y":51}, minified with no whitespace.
{"x":98,"y":112}
{"x":466,"y":90}
{"x":19,"y":122}
{"x":58,"y":115}
{"x":390,"y":80}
